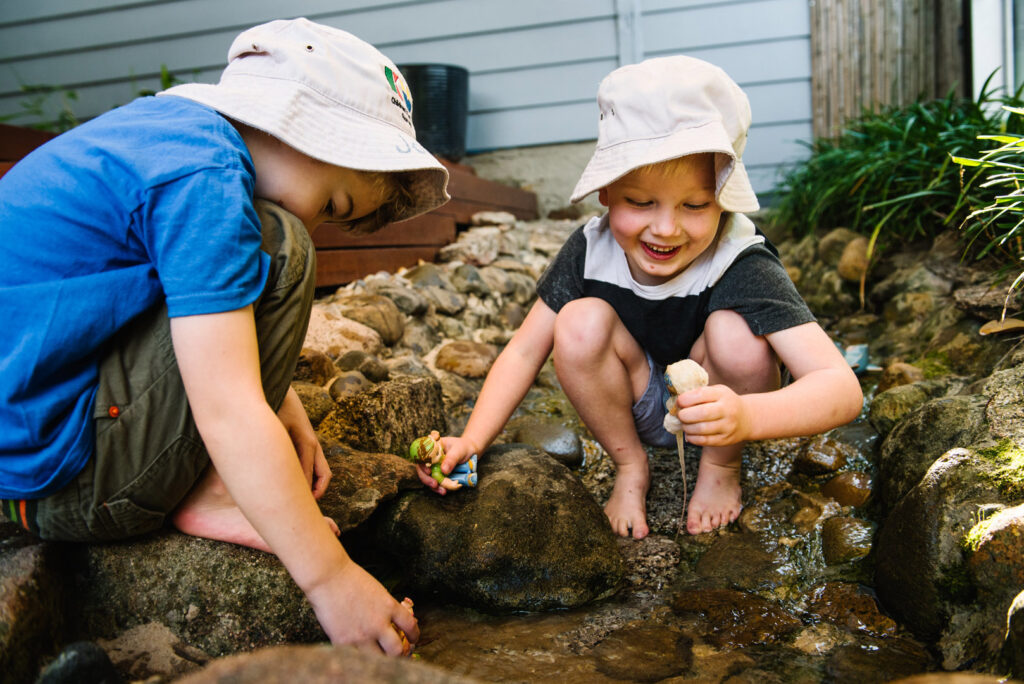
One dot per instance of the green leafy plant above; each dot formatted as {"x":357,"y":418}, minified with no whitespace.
{"x":37,"y":106}
{"x":998,"y":226}
{"x":889,"y":175}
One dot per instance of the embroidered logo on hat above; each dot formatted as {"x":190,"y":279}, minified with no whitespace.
{"x":398,"y":85}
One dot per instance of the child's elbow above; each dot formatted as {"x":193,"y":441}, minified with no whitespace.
{"x":853,"y":402}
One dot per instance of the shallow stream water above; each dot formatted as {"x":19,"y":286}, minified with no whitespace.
{"x":753,"y":602}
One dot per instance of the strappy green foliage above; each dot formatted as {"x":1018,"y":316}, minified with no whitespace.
{"x":891,"y":174}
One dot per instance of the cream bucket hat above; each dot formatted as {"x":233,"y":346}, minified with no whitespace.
{"x":327,"y":94}
{"x":670,"y":107}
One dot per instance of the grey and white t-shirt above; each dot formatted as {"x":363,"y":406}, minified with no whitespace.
{"x":739,"y":272}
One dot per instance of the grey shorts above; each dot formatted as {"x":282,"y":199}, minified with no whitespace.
{"x":649,"y":411}
{"x":148,"y":452}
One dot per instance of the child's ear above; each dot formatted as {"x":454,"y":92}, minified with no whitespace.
{"x":602,"y":196}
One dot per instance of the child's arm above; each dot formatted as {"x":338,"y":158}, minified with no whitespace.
{"x":311,"y":454}
{"x":824,"y":395}
{"x":507,"y":383}
{"x":254,"y":456}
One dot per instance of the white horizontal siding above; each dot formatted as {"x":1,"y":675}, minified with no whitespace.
{"x":534,"y":64}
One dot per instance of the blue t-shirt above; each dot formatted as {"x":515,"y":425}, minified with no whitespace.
{"x":151,"y":202}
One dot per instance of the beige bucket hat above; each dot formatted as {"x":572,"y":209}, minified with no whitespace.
{"x":670,"y":107}
{"x":329,"y":95}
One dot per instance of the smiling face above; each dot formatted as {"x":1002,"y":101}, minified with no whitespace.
{"x":313,"y":190}
{"x":664,"y":216}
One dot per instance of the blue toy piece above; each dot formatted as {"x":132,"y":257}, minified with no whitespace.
{"x":469,"y":466}
{"x":465,"y":479}
{"x":856,"y":356}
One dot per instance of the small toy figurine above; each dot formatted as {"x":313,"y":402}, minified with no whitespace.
{"x":406,"y":646}
{"x":428,"y":451}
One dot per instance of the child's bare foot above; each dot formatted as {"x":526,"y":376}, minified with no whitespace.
{"x":209,"y":511}
{"x":627,"y":506}
{"x":716,"y":498}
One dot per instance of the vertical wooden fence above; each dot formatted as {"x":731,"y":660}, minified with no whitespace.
{"x":871,"y":53}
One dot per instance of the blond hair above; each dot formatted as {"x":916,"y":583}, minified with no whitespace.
{"x":397,"y":198}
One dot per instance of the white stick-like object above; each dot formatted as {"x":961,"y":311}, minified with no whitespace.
{"x":681,"y":376}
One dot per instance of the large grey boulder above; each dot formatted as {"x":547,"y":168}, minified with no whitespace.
{"x":529,"y":537}
{"x":220,"y":597}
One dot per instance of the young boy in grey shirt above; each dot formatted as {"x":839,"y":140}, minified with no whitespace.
{"x":673,"y":270}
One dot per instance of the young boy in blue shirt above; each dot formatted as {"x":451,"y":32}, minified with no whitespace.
{"x":673,"y":270}
{"x":156,"y":285}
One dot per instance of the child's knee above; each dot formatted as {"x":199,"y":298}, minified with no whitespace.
{"x":583,"y":326}
{"x":732,"y":350}
{"x":291,"y":250}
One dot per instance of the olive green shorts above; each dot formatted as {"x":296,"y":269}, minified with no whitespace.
{"x":148,"y":452}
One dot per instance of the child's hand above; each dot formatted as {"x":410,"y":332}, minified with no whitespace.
{"x":457,"y":450}
{"x":713,"y":416}
{"x":311,"y":455}
{"x":353,"y":608}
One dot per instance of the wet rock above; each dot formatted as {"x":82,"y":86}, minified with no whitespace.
{"x":852,"y":488}
{"x":736,"y":619}
{"x":1012,"y":655}
{"x":996,"y":559}
{"x":851,"y":606}
{"x":919,"y":569}
{"x":332,"y":334}
{"x":528,"y":537}
{"x":650,"y":562}
{"x":820,"y":638}
{"x":314,"y":367}
{"x":553,"y":438}
{"x":878,"y":662}
{"x":811,"y":510}
{"x":386,"y":417}
{"x":925,"y":434}
{"x":644,"y":653}
{"x":82,"y":662}
{"x":153,"y":651}
{"x":853,"y":262}
{"x":898,"y":373}
{"x":220,"y":598}
{"x":321,"y":664}
{"x":223,"y":598}
{"x":361,"y":481}
{"x":372,"y":368}
{"x":951,"y":678}
{"x":468,"y":359}
{"x":315,"y":399}
{"x":822,"y":454}
{"x":889,"y":407}
{"x":32,"y":598}
{"x":846,"y":539}
{"x":347,"y":384}
{"x":374,"y":311}
{"x":746,"y":561}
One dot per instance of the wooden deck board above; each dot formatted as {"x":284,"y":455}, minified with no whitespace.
{"x":341,"y":257}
